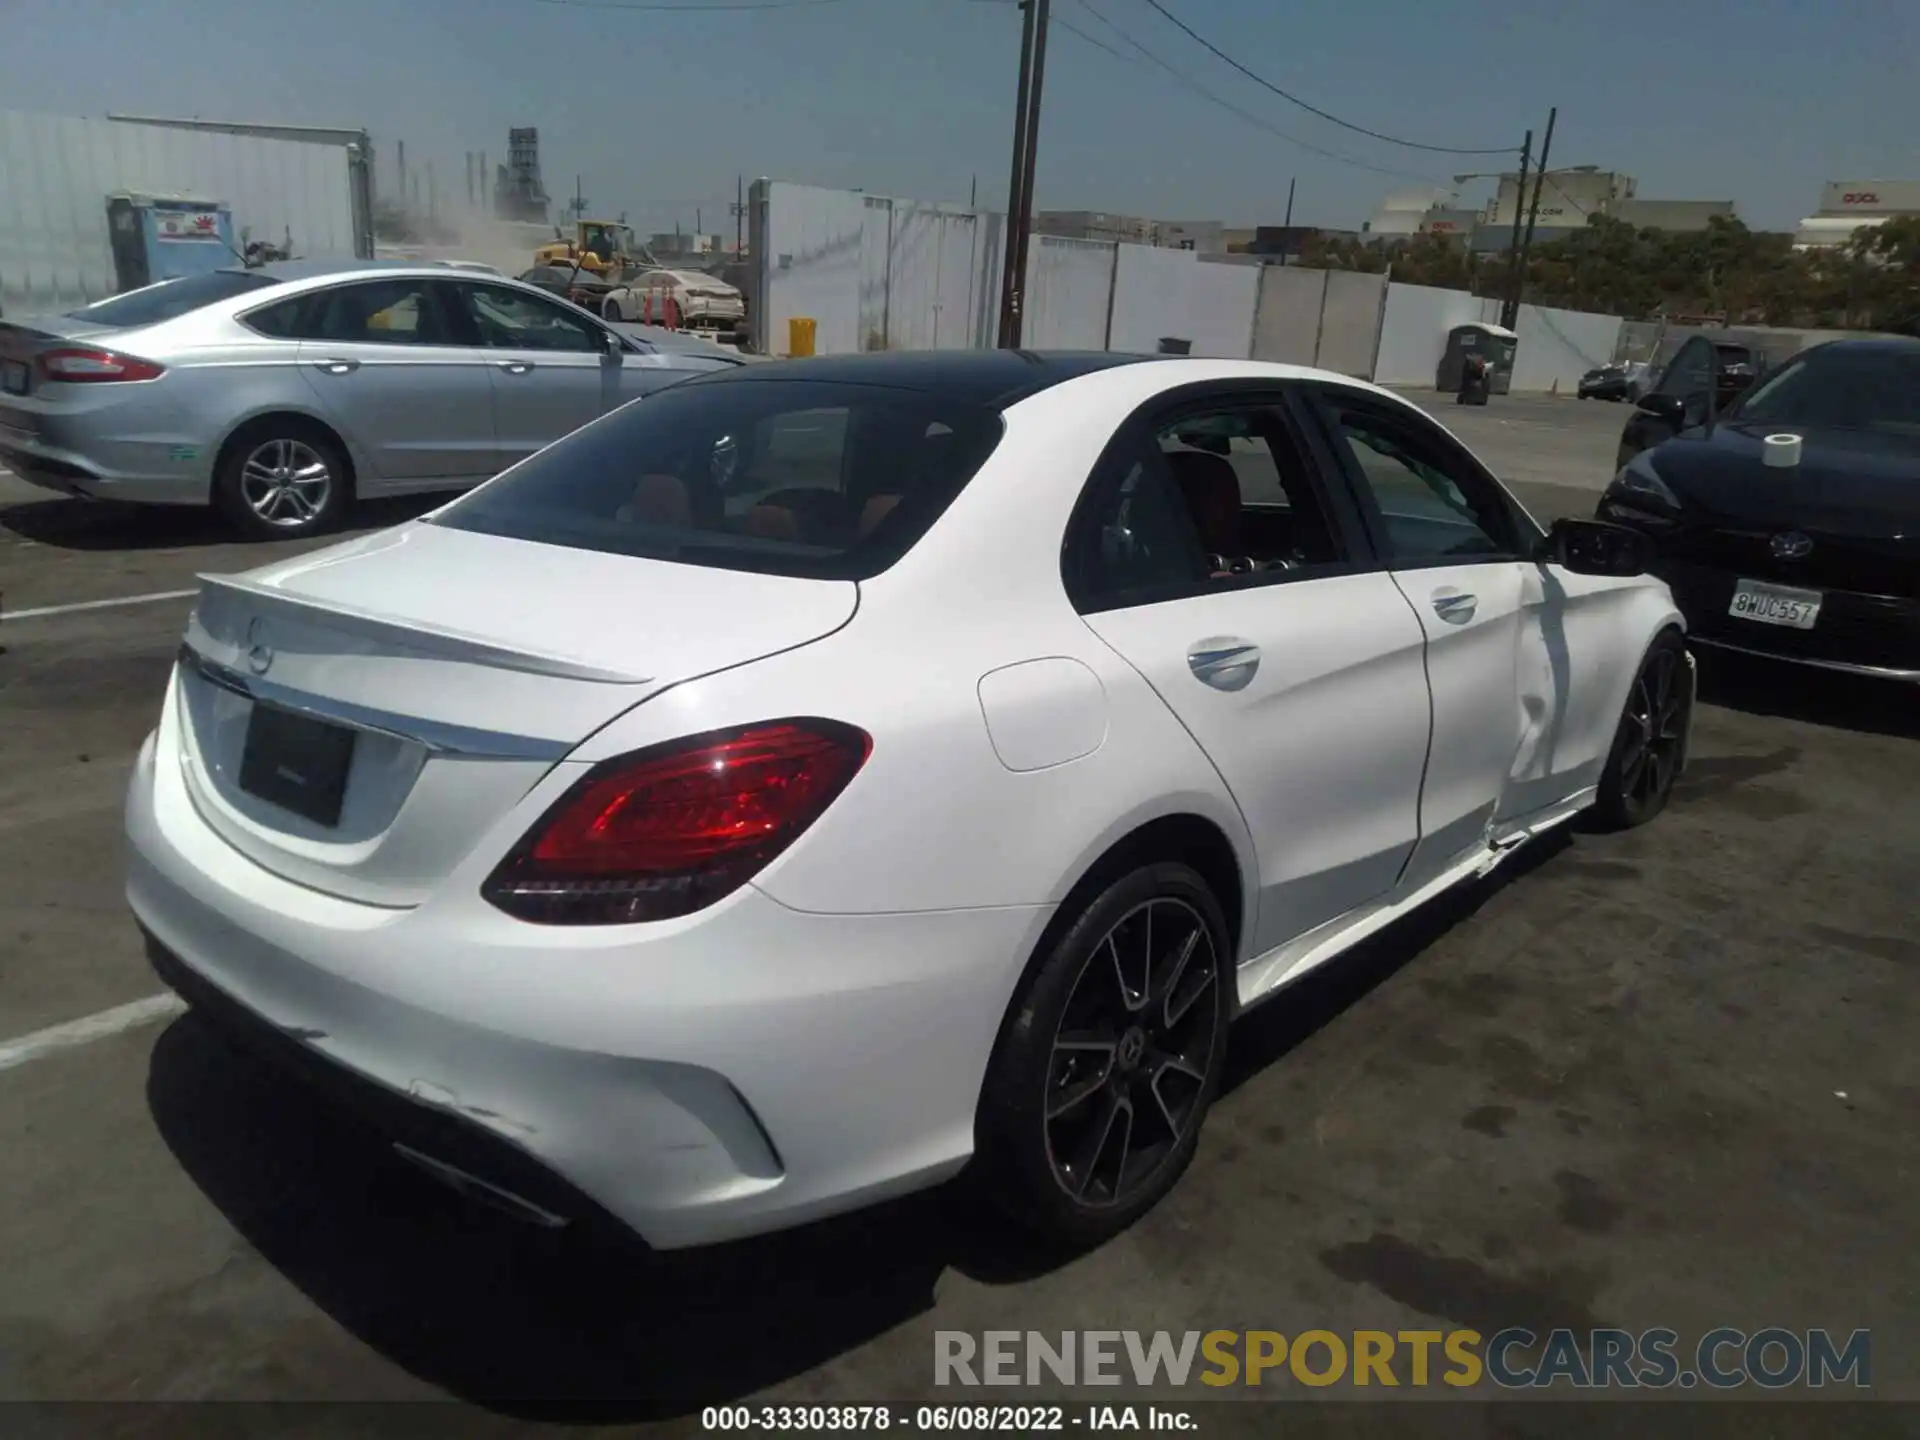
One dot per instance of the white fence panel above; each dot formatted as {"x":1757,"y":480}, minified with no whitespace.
{"x":811,"y":265}
{"x":56,"y":172}
{"x":1350,"y":322}
{"x":1069,"y":290}
{"x":1559,"y":346}
{"x":1413,"y":333}
{"x":1168,"y":294}
{"x":1286,"y":325}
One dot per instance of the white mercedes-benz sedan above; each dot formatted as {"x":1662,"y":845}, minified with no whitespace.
{"x":816,"y":777}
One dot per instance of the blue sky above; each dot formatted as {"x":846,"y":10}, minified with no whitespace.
{"x":1759,"y":102}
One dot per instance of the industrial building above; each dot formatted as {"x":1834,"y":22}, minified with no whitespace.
{"x":1849,"y":206}
{"x":1205,"y":237}
{"x":1569,"y":198}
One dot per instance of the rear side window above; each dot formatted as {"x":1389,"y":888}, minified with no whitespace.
{"x":171,"y":299}
{"x":787,"y":477}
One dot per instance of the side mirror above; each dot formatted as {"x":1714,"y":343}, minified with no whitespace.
{"x":1668,"y":408}
{"x":611,"y":343}
{"x":1593,"y":547}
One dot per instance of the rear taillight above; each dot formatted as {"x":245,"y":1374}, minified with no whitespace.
{"x":81,"y":365}
{"x":672,"y":829}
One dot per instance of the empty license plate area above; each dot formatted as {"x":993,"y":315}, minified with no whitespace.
{"x":297,"y":762}
{"x":1775,"y":605}
{"x":13,"y":376}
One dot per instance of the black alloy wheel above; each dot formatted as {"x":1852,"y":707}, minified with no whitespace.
{"x":1095,"y":1100}
{"x":1649,"y":749}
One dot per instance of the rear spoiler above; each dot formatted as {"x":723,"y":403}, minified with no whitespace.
{"x":410,"y":635}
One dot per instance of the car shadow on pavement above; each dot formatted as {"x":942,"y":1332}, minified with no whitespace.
{"x":1815,"y":697}
{"x":583,"y":1328}
{"x":107,"y":525}
{"x":1270,"y":1032}
{"x":592,"y":1329}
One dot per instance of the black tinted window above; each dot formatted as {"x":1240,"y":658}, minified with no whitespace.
{"x":280,"y":322}
{"x":378,"y":312}
{"x":171,"y":299}
{"x":1432,"y":504}
{"x":517,"y":320}
{"x":1691,"y":372}
{"x":1852,"y":389}
{"x":806,"y":478}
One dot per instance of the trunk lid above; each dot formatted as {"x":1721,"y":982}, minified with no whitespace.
{"x":463,"y":665}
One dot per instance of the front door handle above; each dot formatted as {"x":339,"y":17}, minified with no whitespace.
{"x":337,"y":367}
{"x":517,"y":367}
{"x":1225,"y":662}
{"x":1454,"y":607}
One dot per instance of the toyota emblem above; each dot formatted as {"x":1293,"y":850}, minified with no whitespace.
{"x":259,"y":653}
{"x":1792,"y":545}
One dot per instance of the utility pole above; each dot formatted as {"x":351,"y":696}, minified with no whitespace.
{"x":739,"y":215}
{"x":1533,"y":216}
{"x":1010,"y":279}
{"x":973,"y":194}
{"x":1043,"y":11}
{"x":401,"y":169}
{"x":1510,"y":304}
{"x":1290,"y":184}
{"x":433,"y":204}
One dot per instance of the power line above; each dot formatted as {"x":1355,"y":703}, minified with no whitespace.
{"x":1292,"y":99}
{"x":1246,"y":115}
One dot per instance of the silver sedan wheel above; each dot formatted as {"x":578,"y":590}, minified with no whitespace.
{"x":286,"y":483}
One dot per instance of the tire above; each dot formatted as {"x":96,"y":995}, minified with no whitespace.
{"x":1639,"y":776}
{"x":259,"y":486}
{"x":610,"y":310}
{"x":1091,"y":1046}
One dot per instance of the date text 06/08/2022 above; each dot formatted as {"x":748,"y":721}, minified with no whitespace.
{"x":936,"y":1419}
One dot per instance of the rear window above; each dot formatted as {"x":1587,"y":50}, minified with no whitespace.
{"x":808,"y":478}
{"x":171,"y":299}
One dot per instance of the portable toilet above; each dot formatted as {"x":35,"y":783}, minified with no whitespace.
{"x":165,"y":237}
{"x":1493,"y":343}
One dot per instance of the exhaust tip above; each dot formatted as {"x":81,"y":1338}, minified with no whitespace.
{"x":482,"y":1192}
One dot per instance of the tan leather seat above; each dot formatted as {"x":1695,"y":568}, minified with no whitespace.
{"x":659,"y":500}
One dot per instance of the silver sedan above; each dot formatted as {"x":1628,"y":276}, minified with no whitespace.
{"x":281,"y":394}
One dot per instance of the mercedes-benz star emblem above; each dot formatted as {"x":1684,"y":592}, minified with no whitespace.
{"x":1792,"y":545}
{"x":259,"y":653}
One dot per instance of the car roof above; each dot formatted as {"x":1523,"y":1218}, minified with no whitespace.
{"x":993,"y":379}
{"x":1869,"y":345}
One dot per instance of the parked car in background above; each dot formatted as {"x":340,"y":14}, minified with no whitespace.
{"x":1817,"y":562}
{"x":1607,"y":382}
{"x":686,"y":299}
{"x":830,"y":773}
{"x":1704,"y":376}
{"x":582,"y":287}
{"x":280,"y":395}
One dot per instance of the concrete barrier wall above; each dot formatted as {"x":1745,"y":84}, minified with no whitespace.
{"x":1160,"y":294}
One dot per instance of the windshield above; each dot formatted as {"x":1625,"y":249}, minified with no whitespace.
{"x":171,"y":299}
{"x":808,"y":478}
{"x":1876,"y":389}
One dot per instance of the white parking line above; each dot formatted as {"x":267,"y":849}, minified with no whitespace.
{"x":154,"y":598}
{"x":89,"y":1029}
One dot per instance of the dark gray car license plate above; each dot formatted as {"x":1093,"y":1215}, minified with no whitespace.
{"x":296,"y":762}
{"x":13,"y":377}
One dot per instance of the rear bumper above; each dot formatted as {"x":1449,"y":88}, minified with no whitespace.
{"x":41,"y":462}
{"x":744,"y":1070}
{"x":1858,"y":634}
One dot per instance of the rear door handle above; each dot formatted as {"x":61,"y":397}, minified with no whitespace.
{"x":517,"y":367}
{"x":1225,"y":662}
{"x":337,"y":367}
{"x":1454,"y":607}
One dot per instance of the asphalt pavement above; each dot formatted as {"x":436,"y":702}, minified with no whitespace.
{"x":1660,"y":1079}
